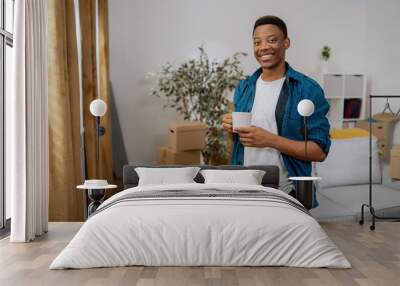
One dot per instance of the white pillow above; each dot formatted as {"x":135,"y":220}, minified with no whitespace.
{"x":163,"y":176}
{"x":248,"y":177}
{"x":348,"y":163}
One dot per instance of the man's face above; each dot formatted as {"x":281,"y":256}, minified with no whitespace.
{"x":269,"y":46}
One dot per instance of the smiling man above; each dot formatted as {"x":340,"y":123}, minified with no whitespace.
{"x":271,"y":94}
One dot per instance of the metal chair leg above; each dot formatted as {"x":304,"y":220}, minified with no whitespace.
{"x":361,"y":222}
{"x":372,"y":211}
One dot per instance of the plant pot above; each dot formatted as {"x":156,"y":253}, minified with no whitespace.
{"x":218,"y":160}
{"x":324,"y":67}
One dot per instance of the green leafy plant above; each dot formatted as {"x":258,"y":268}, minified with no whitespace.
{"x":198,"y":89}
{"x":326,"y":53}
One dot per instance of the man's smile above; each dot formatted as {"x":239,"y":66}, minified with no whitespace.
{"x":265,"y":57}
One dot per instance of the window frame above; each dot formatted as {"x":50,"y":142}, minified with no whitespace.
{"x":6,"y":39}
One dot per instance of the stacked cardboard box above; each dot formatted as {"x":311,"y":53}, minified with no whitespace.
{"x":185,"y":142}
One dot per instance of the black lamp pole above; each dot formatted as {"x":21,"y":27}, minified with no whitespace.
{"x":97,"y":145}
{"x":305,"y":137}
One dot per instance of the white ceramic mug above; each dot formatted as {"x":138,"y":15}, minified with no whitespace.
{"x":241,"y":119}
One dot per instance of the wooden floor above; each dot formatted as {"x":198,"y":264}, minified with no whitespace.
{"x":375,"y":257}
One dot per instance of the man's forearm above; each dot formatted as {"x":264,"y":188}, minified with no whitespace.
{"x":258,"y":137}
{"x":296,"y":149}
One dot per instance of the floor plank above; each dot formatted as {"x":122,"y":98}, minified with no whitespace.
{"x":374,"y":255}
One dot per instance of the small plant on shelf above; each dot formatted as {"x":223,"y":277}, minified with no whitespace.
{"x":326,"y":53}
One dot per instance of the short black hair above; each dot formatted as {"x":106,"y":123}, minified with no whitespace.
{"x":273,"y":20}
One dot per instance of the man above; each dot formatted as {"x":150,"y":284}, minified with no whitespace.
{"x":271,"y":94}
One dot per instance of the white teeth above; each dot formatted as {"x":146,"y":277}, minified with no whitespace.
{"x":266,"y":57}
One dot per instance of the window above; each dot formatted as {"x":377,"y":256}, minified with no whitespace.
{"x":9,"y":13}
{"x":6,"y":46}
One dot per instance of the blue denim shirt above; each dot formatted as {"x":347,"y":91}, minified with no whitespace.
{"x":290,"y":124}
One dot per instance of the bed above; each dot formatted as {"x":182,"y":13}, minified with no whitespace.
{"x":198,"y":224}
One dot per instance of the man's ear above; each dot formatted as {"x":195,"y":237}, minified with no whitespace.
{"x":286,"y":43}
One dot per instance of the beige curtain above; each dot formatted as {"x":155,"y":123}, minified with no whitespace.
{"x":64,"y":102}
{"x":65,"y":202}
{"x":95,"y":80}
{"x":106,"y":162}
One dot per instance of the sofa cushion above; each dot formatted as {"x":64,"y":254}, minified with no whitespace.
{"x":348,"y":163}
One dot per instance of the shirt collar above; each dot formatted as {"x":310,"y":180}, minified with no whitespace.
{"x":290,"y":74}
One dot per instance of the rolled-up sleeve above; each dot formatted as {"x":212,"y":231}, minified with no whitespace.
{"x":318,"y":125}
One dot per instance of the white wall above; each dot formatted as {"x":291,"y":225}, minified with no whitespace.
{"x":383,"y":54}
{"x":145,"y":34}
{"x":383,"y":46}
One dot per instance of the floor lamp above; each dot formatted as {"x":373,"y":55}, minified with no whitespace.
{"x":96,"y":193}
{"x":305,"y":185}
{"x":98,"y":108}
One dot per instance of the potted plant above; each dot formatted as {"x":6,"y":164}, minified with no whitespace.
{"x":198,"y":89}
{"x":325,"y":53}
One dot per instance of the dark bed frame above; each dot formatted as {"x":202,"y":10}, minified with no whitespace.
{"x":270,"y":179}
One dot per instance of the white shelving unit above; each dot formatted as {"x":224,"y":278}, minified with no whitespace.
{"x":339,"y":90}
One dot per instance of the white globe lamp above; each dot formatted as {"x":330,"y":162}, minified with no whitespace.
{"x":305,"y":107}
{"x":98,"y":107}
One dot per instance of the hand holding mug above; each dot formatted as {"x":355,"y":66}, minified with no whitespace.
{"x":254,"y":136}
{"x":227,"y":122}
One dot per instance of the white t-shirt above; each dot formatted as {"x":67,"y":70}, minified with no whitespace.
{"x":263,"y":115}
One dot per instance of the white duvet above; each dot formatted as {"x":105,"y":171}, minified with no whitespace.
{"x":200,"y":231}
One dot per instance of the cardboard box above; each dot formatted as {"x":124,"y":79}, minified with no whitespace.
{"x":395,"y":162}
{"x":166,"y":156}
{"x":185,"y":136}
